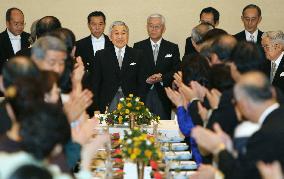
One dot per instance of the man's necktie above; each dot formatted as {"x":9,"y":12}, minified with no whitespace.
{"x":251,"y":38}
{"x":156,"y":52}
{"x":272,"y":71}
{"x":119,"y":57}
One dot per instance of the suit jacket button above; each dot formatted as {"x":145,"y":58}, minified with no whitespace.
{"x":88,"y":63}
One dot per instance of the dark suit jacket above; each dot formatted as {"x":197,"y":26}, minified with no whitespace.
{"x":6,"y":49}
{"x":27,"y":52}
{"x":277,"y":80}
{"x":167,"y":64}
{"x":84,"y":48}
{"x":267,"y":144}
{"x":225,"y":115}
{"x":108,"y":77}
{"x":189,"y":48}
{"x":241,"y":36}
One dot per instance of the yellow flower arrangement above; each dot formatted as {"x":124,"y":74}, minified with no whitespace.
{"x":138,"y":145}
{"x":130,"y":106}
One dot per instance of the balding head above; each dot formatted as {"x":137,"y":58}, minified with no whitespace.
{"x":18,"y":67}
{"x":254,"y":87}
{"x":199,"y":31}
{"x":47,"y":24}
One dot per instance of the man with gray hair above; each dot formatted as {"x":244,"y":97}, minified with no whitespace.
{"x":256,"y":102}
{"x":49,"y":53}
{"x":273,"y":46}
{"x":197,"y":34}
{"x":162,"y":59}
{"x":117,"y":70}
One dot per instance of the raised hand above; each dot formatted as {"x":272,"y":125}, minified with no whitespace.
{"x":208,"y":140}
{"x":77,"y":104}
{"x":213,"y":97}
{"x":270,"y":171}
{"x":204,"y":172}
{"x":175,"y":97}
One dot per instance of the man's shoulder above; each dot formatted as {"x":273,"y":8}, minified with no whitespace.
{"x":3,"y":34}
{"x":25,"y":34}
{"x":169,"y":43}
{"x":240,"y":35}
{"x":83,"y":40}
{"x":141,"y":43}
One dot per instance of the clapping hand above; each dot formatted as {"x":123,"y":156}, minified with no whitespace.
{"x":154,"y":78}
{"x":175,"y":97}
{"x":77,"y":104}
{"x":205,"y":172}
{"x":213,"y":97}
{"x":270,"y":171}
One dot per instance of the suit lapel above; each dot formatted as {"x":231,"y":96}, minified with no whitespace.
{"x":8,"y":44}
{"x":113,"y":60}
{"x":149,"y":51}
{"x":126,"y":59}
{"x":89,"y":47}
{"x":279,"y":70}
{"x":161,"y":52}
{"x":259,"y":36}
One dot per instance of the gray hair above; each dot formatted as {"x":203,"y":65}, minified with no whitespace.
{"x":118,"y":23}
{"x":256,"y":92}
{"x":43,"y":44}
{"x":198,"y":32}
{"x":274,"y":36}
{"x":156,"y":15}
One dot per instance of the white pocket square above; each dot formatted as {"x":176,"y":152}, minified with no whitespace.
{"x":133,"y":63}
{"x":168,"y":55}
{"x":281,"y":74}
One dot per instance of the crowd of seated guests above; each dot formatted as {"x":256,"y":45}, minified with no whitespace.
{"x":227,"y":90}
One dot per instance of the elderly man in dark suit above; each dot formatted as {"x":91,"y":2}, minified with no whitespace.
{"x":87,"y":47}
{"x":208,"y":15}
{"x":13,"y":38}
{"x":117,"y":71}
{"x":253,"y":92}
{"x":251,"y":17}
{"x":162,"y":60}
{"x":273,"y":44}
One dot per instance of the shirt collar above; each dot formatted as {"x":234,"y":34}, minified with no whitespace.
{"x":122,"y":50}
{"x":100,"y":39}
{"x":248,"y":34}
{"x":159,"y":42}
{"x":278,"y":60}
{"x":12,"y":36}
{"x":266,"y":112}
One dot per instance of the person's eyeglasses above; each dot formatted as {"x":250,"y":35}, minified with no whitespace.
{"x":155,"y":27}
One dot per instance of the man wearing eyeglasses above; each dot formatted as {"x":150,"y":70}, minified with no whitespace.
{"x":13,"y":38}
{"x":251,"y":17}
{"x":162,"y":59}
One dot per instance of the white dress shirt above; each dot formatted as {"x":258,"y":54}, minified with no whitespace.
{"x":122,"y":51}
{"x":278,"y":60}
{"x":15,"y":41}
{"x":98,"y":43}
{"x":153,"y":43}
{"x":248,"y":36}
{"x":266,"y":112}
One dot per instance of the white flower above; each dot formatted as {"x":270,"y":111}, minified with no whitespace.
{"x":148,"y":142}
{"x":137,"y":99}
{"x":121,"y":99}
{"x":129,"y":141}
{"x":129,"y":132}
{"x":126,"y":116}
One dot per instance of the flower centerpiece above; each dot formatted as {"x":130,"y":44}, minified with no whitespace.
{"x":128,"y":107}
{"x":140,"y":147}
